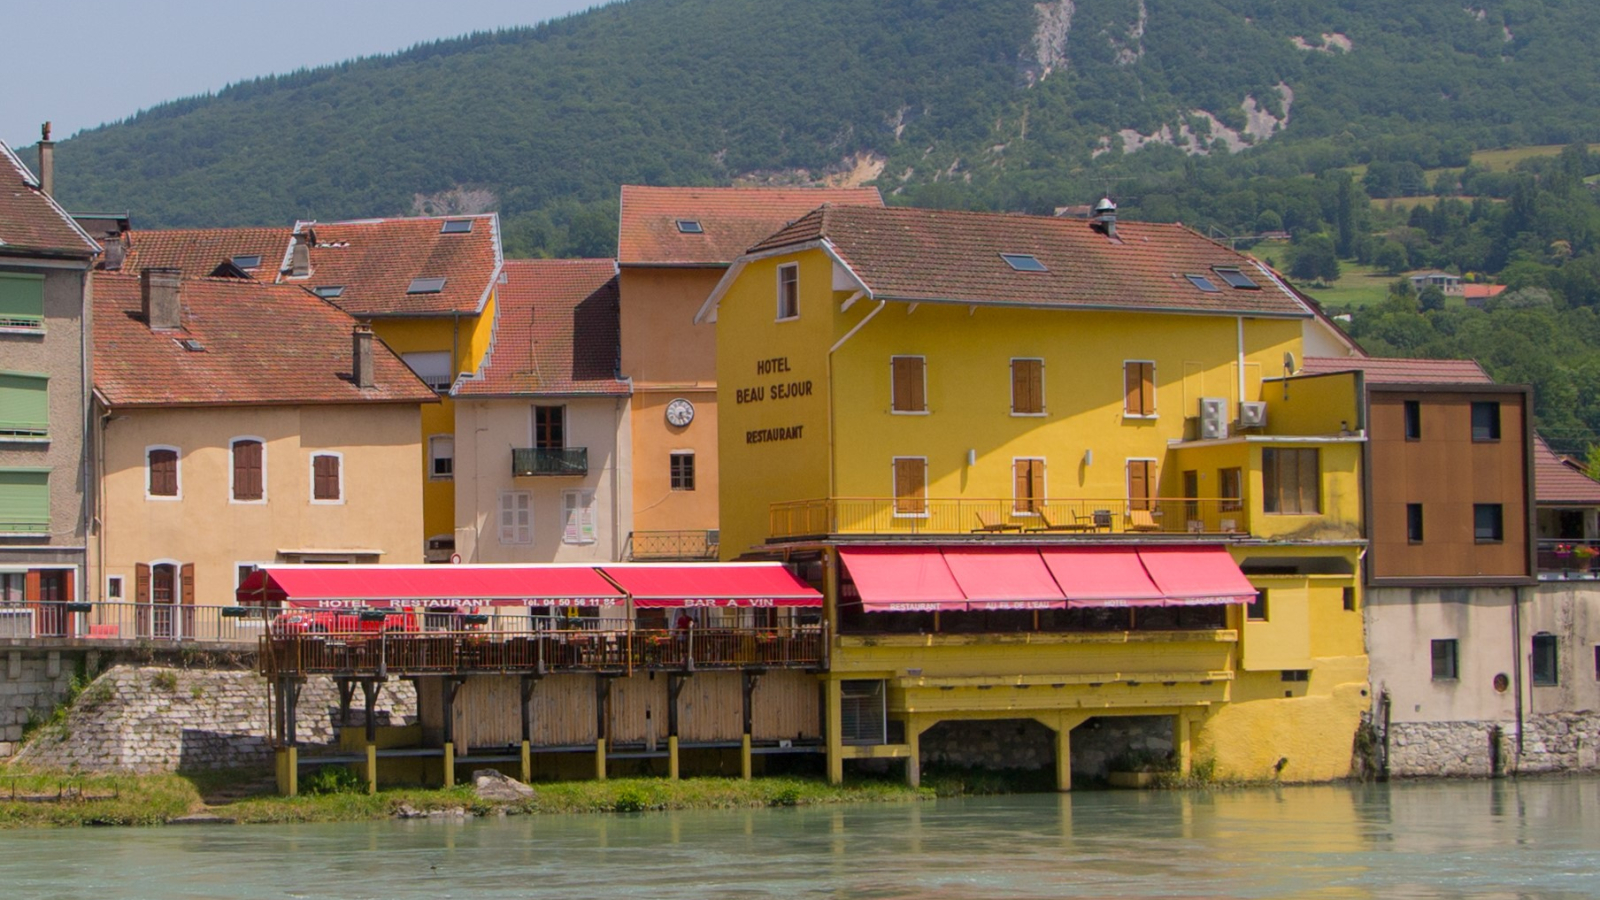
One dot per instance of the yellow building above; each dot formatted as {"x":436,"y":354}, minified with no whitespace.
{"x":427,"y":286}
{"x":240,"y":424}
{"x":1061,"y":501}
{"x":673,"y":245}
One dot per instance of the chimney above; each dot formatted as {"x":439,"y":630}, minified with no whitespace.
{"x":160,"y":300}
{"x":361,"y":353}
{"x":1105,"y":218}
{"x":116,"y":252}
{"x":47,"y":161}
{"x":300,"y":257}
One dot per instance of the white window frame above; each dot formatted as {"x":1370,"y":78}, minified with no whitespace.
{"x":177,"y":470}
{"x":909,"y":412}
{"x":1155,"y":410}
{"x":1043,"y":404}
{"x":121,"y":593}
{"x":263,"y":442}
{"x":500,"y":511}
{"x":788,"y":267}
{"x":311,"y":474}
{"x":566,"y":513}
{"x":695,"y":476}
{"x":895,"y":498}
{"x":431,"y":355}
{"x":246,"y":562}
{"x":1044,"y":484}
{"x":433,"y":456}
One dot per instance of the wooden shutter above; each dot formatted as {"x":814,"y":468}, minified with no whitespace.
{"x":1309,"y":482}
{"x":1138,"y":484}
{"x":247,"y":470}
{"x":1028,"y":485}
{"x":163,"y":468}
{"x":1132,"y":389}
{"x":907,"y":385}
{"x":186,"y":584}
{"x":910,"y":486}
{"x":1027,"y":386}
{"x":141,"y":583}
{"x":325,"y":477}
{"x":32,"y":586}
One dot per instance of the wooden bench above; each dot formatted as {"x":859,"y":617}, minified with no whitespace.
{"x":989,"y":522}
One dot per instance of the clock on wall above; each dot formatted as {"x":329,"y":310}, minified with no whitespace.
{"x":680,"y":412}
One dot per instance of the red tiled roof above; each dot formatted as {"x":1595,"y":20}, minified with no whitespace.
{"x":1557,"y":481}
{"x":948,"y":255}
{"x":198,"y":252}
{"x":31,"y":222}
{"x":1389,"y":370}
{"x":1481,"y":291}
{"x":555,"y":332}
{"x":263,"y":344}
{"x":732,"y":219}
{"x":376,"y":260}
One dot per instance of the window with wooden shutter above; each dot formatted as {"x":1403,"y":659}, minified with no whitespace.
{"x":1141,"y":483}
{"x":161,"y":467}
{"x":25,"y":500}
{"x":247,"y":461}
{"x":1027,"y":387}
{"x":908,"y":389}
{"x":325,"y":480}
{"x":24,"y":404}
{"x":516,"y":517}
{"x":1291,"y":481}
{"x":910,"y":486}
{"x":1027,"y":476}
{"x":1139,"y":388}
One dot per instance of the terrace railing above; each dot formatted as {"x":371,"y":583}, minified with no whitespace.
{"x":1570,"y":558}
{"x":912,"y":516}
{"x":159,"y":622}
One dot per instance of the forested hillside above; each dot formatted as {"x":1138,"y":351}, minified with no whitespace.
{"x":1234,"y":116}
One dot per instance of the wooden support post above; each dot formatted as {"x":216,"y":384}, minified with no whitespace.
{"x":672,"y":757}
{"x":602,"y":694}
{"x":291,"y":703}
{"x":527,"y":685}
{"x":527,"y":761}
{"x":746,"y":764}
{"x":369,"y":699}
{"x":291,"y":760}
{"x":913,"y":752}
{"x":372,"y":768}
{"x":447,"y":694}
{"x":835,"y":708}
{"x":449,"y":764}
{"x":1064,"y":754}
{"x":347,"y":691}
{"x":675,"y":685}
{"x":600,"y":760}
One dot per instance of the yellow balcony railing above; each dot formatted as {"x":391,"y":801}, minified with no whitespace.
{"x":912,"y":516}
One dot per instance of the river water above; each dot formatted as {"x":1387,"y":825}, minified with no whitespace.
{"x":1513,"y":839}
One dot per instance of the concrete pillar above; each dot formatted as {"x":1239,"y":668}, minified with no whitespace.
{"x":372,"y":768}
{"x":746,"y":764}
{"x":449,"y":764}
{"x":914,"y":754}
{"x":672,"y":757}
{"x":527,"y":762}
{"x":835,"y":711}
{"x":1180,"y":740}
{"x":1064,"y":755}
{"x":600,"y":760}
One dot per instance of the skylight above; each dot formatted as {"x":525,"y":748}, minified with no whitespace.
{"x":690,"y":226}
{"x":248,"y":262}
{"x":456,"y":226}
{"x":1236,"y":278}
{"x":1023,"y":262}
{"x":328,"y":291}
{"x":425,"y":286}
{"x":1203,"y":283}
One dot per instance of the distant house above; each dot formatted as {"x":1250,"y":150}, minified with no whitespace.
{"x":1444,"y":281}
{"x":1568,"y":513}
{"x":1477,"y":295}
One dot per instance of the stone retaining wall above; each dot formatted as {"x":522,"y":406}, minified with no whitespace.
{"x":989,"y":744}
{"x":1551,"y":742}
{"x":1099,"y":742}
{"x":157,"y":719}
{"x":32,"y":683}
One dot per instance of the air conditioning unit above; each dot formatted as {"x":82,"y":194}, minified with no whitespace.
{"x":1213,"y":418}
{"x":1252,"y":414}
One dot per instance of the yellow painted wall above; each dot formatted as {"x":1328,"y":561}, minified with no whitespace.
{"x":205,"y":527}
{"x":1339,"y":462}
{"x":1312,"y":404}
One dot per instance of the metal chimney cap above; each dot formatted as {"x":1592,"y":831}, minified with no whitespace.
{"x":1105,"y":206}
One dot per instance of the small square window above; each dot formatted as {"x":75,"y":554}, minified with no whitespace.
{"x":1414,"y":522}
{"x":1488,"y":523}
{"x":1413,"y":420}
{"x":788,"y":292}
{"x":114,"y":592}
{"x":1444,"y":660}
{"x":1485,"y":420}
{"x":456,"y":226}
{"x":690,"y":226}
{"x":1203,"y":283}
{"x":1295,"y":675}
{"x":1023,"y":262}
{"x":1256,"y":610}
{"x":426,"y":286}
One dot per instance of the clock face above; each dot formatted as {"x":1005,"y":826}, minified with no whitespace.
{"x":680,"y":412}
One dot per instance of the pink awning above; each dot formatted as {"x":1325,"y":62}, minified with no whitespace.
{"x":461,"y":587}
{"x":909,"y":579}
{"x":1102,"y":576}
{"x":1194,"y":576}
{"x":760,"y":585}
{"x":1003,"y":578}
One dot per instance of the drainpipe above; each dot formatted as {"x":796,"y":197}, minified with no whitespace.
{"x":1239,"y":323}
{"x":1516,"y":668}
{"x":833,"y":486}
{"x":616,"y":482}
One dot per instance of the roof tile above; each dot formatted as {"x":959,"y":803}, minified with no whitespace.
{"x":1557,"y":481}
{"x":31,"y":222}
{"x":732,"y":220}
{"x":1391,"y":370}
{"x":199,"y":252}
{"x":376,"y":260}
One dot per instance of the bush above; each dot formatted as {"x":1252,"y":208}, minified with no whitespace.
{"x":165,"y":680}
{"x":631,"y":799}
{"x":334,"y":780}
{"x":788,"y":795}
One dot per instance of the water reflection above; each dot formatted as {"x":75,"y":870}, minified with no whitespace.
{"x":1502,"y":839}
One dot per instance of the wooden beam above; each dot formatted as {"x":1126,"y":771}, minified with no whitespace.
{"x":369,"y":698}
{"x":750,"y":677}
{"x":347,"y":691}
{"x":676,"y":682}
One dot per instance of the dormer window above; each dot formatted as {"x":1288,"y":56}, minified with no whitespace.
{"x":247,"y":262}
{"x":1235,"y":278}
{"x":690,"y":226}
{"x":1023,"y":262}
{"x":425,"y":286}
{"x":1204,"y":283}
{"x":456,"y":226}
{"x":328,"y":291}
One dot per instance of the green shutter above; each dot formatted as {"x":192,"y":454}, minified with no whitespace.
{"x":21,"y":300}
{"x":25,"y":500}
{"x":24,"y":404}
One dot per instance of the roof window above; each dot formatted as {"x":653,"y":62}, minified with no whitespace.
{"x":425,"y":286}
{"x":1203,"y":283}
{"x":1023,"y":262}
{"x":328,"y":291}
{"x":191,"y":345}
{"x":1236,"y":278}
{"x":456,"y":226}
{"x":252,"y":261}
{"x":690,"y":226}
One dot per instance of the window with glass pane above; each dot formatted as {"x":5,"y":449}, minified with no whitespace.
{"x":1291,"y":480}
{"x":1488,"y":523}
{"x":1485,"y":420}
{"x":162,"y":466}
{"x":1544,"y":660}
{"x":1444,"y":660}
{"x":682,"y":471}
{"x":550,"y":427}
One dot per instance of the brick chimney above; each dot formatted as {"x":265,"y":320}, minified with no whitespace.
{"x":361,"y":356}
{"x":300,"y":254}
{"x":47,"y":161}
{"x":159,"y":296}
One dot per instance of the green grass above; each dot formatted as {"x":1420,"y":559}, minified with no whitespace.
{"x":1357,"y":285}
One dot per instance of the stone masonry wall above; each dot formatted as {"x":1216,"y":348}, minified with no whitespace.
{"x":1551,"y":742}
{"x":989,"y":744}
{"x":31,"y":684}
{"x":1097,"y":743}
{"x":158,"y":719}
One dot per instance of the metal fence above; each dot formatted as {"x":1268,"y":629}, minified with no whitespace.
{"x":916,"y":515}
{"x":133,"y":621}
{"x":1568,"y":558}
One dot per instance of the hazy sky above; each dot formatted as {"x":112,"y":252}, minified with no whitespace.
{"x":81,"y":63}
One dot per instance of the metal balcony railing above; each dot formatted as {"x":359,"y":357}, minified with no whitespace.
{"x":1568,"y":558}
{"x":904,"y":516}
{"x":548,"y":461}
{"x":158,"y":622}
{"x":667,"y":545}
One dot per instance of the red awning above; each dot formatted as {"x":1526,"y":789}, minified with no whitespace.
{"x":712,"y":584}
{"x":1102,"y":576}
{"x":1003,"y":578}
{"x":379,"y":587}
{"x":1193,"y":576}
{"x":909,"y":579}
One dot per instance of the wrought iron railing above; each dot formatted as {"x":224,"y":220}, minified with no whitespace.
{"x":697,"y":544}
{"x":548,"y":461}
{"x":897,"y":516}
{"x":159,"y":622}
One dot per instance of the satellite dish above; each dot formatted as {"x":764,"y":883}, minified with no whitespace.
{"x":1288,"y":362}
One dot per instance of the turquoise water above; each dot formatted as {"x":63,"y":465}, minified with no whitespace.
{"x":1532,"y":838}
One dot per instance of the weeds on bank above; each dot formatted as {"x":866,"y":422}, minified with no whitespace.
{"x":34,"y":800}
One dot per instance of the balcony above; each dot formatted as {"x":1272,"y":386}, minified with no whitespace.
{"x":1568,"y":560}
{"x":549,"y":461}
{"x":887,"y":516}
{"x":672,"y":545}
{"x":131,"y":622}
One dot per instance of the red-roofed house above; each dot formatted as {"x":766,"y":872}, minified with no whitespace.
{"x":45,"y":459}
{"x":254,"y":253}
{"x":243,"y":423}
{"x":542,"y":425}
{"x":673,"y":244}
{"x":1569,"y":515}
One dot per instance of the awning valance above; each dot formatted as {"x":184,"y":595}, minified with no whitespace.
{"x":1103,"y":576}
{"x":1004,"y":578}
{"x":1197,"y":575}
{"x":896,"y":579}
{"x":458,"y":587}
{"x":758,"y":585}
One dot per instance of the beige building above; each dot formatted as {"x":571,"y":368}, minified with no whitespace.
{"x":541,"y":466}
{"x":673,"y":246}
{"x":244,"y":423}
